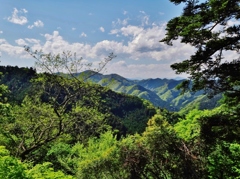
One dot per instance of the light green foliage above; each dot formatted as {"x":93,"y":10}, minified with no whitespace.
{"x":157,"y":153}
{"x":45,"y":171}
{"x":10,"y":167}
{"x":167,"y":96}
{"x":88,"y":122}
{"x":224,"y":161}
{"x":189,"y":128}
{"x":99,"y":158}
{"x":36,"y":124}
{"x":61,"y":156}
{"x":61,"y":127}
{"x":5,"y":108}
{"x":6,"y":116}
{"x":162,"y":145}
{"x":213,"y":136}
{"x":133,"y":156}
{"x":3,"y":91}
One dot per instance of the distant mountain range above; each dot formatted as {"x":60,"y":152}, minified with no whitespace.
{"x":161,"y":92}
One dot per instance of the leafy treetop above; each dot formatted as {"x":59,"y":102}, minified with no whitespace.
{"x":213,"y":28}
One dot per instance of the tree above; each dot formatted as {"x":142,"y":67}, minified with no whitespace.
{"x":213,"y":28}
{"x":66,"y":62}
{"x":54,"y":106}
{"x":45,"y":171}
{"x":11,"y":167}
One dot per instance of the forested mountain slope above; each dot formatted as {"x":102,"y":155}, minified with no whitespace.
{"x":128,"y":114}
{"x":161,"y":92}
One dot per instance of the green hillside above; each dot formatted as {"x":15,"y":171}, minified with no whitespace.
{"x":122,"y":85}
{"x":160,"y":92}
{"x":128,"y":114}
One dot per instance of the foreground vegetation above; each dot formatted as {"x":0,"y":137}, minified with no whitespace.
{"x":102,"y":134}
{"x":56,"y":126}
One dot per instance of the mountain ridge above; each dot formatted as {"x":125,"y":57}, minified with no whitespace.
{"x":160,"y":92}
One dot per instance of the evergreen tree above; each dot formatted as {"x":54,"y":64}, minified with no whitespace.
{"x":212,"y":27}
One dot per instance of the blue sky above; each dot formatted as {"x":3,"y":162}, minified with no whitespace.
{"x":129,"y":28}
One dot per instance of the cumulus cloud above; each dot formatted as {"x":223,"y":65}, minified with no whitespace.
{"x":38,"y":23}
{"x":21,"y":42}
{"x":138,"y":43}
{"x":12,"y":50}
{"x":141,"y":71}
{"x":32,"y":41}
{"x":125,"y":12}
{"x":114,"y":31}
{"x":83,"y":34}
{"x":131,"y":30}
{"x":17,"y":17}
{"x":102,"y":29}
{"x":142,"y":44}
{"x":1,"y":31}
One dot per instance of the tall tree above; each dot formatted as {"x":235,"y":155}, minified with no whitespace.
{"x":54,"y":106}
{"x":212,"y":27}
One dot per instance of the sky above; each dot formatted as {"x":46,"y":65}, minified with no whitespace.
{"x":92,"y":29}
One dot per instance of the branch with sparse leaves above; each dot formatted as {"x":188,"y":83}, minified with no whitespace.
{"x":65,"y":63}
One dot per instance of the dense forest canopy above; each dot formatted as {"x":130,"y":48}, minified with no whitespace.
{"x":60,"y":126}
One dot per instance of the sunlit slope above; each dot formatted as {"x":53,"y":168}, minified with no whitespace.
{"x":161,"y":92}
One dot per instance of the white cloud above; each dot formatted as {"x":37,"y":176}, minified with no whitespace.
{"x":131,"y":30}
{"x":16,"y":51}
{"x":38,"y":23}
{"x":21,"y":42}
{"x":33,"y":41}
{"x":1,"y":31}
{"x":83,"y":34}
{"x":30,"y":26}
{"x":125,"y":21}
{"x":56,"y":44}
{"x":140,"y":43}
{"x":2,"y":41}
{"x":16,"y":18}
{"x":102,"y":29}
{"x":144,"y":18}
{"x":120,"y":22}
{"x":141,"y":71}
{"x":24,"y":10}
{"x":73,"y":29}
{"x":114,"y":31}
{"x":125,"y":12}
